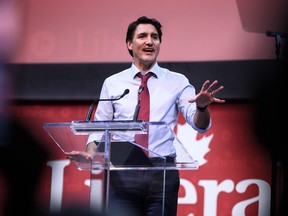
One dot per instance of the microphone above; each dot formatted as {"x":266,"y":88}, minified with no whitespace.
{"x":137,"y":108}
{"x":91,"y":108}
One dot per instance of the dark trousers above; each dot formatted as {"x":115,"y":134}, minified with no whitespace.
{"x":140,"y":192}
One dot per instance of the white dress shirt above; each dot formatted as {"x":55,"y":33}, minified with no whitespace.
{"x":169,"y":93}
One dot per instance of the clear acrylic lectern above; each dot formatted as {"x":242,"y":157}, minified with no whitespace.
{"x":117,"y":150}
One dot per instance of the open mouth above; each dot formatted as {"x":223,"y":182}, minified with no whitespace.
{"x":149,"y":50}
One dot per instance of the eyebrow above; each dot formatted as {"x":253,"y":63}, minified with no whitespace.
{"x":145,"y":33}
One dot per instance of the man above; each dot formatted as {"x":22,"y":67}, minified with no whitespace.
{"x":169,"y":93}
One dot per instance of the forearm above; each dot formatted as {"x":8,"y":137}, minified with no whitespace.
{"x":202,"y":118}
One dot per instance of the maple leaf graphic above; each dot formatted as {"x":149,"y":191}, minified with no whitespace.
{"x":197,"y":149}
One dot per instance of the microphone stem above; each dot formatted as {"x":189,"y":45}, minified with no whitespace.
{"x":136,"y":112}
{"x":137,"y":108}
{"x":90,"y":111}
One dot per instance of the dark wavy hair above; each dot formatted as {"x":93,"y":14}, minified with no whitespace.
{"x":142,"y":20}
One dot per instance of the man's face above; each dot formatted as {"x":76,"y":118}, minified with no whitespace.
{"x":145,"y":44}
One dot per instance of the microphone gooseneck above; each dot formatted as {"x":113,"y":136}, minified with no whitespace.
{"x":92,"y":106}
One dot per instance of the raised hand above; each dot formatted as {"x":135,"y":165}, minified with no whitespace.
{"x":207,"y":94}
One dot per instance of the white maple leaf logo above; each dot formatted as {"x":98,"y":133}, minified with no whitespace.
{"x":197,"y":149}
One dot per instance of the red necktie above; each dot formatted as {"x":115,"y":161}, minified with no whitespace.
{"x":144,"y":112}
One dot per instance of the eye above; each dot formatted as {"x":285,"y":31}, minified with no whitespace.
{"x":142,"y":35}
{"x":155,"y":36}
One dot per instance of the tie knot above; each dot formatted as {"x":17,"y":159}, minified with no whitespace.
{"x":144,"y":77}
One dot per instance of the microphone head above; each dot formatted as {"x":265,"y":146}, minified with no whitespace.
{"x":124,"y":93}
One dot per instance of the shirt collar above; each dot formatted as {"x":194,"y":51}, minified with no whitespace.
{"x":155,"y":70}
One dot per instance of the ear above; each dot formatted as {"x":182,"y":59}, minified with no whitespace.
{"x":129,"y":45}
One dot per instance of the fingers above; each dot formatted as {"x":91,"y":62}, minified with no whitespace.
{"x":205,"y":85}
{"x":80,"y":157}
{"x":73,"y":154}
{"x":216,"y":91}
{"x":217,"y":100}
{"x":208,"y":94}
{"x":192,"y":100}
{"x":212,"y":88}
{"x":70,"y":156}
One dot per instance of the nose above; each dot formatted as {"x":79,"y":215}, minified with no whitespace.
{"x":149,"y":40}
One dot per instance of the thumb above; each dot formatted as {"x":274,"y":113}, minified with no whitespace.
{"x":191,"y":100}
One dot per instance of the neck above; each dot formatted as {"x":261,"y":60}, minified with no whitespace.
{"x":144,"y":66}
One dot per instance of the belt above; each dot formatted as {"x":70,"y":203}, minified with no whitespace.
{"x":162,"y":160}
